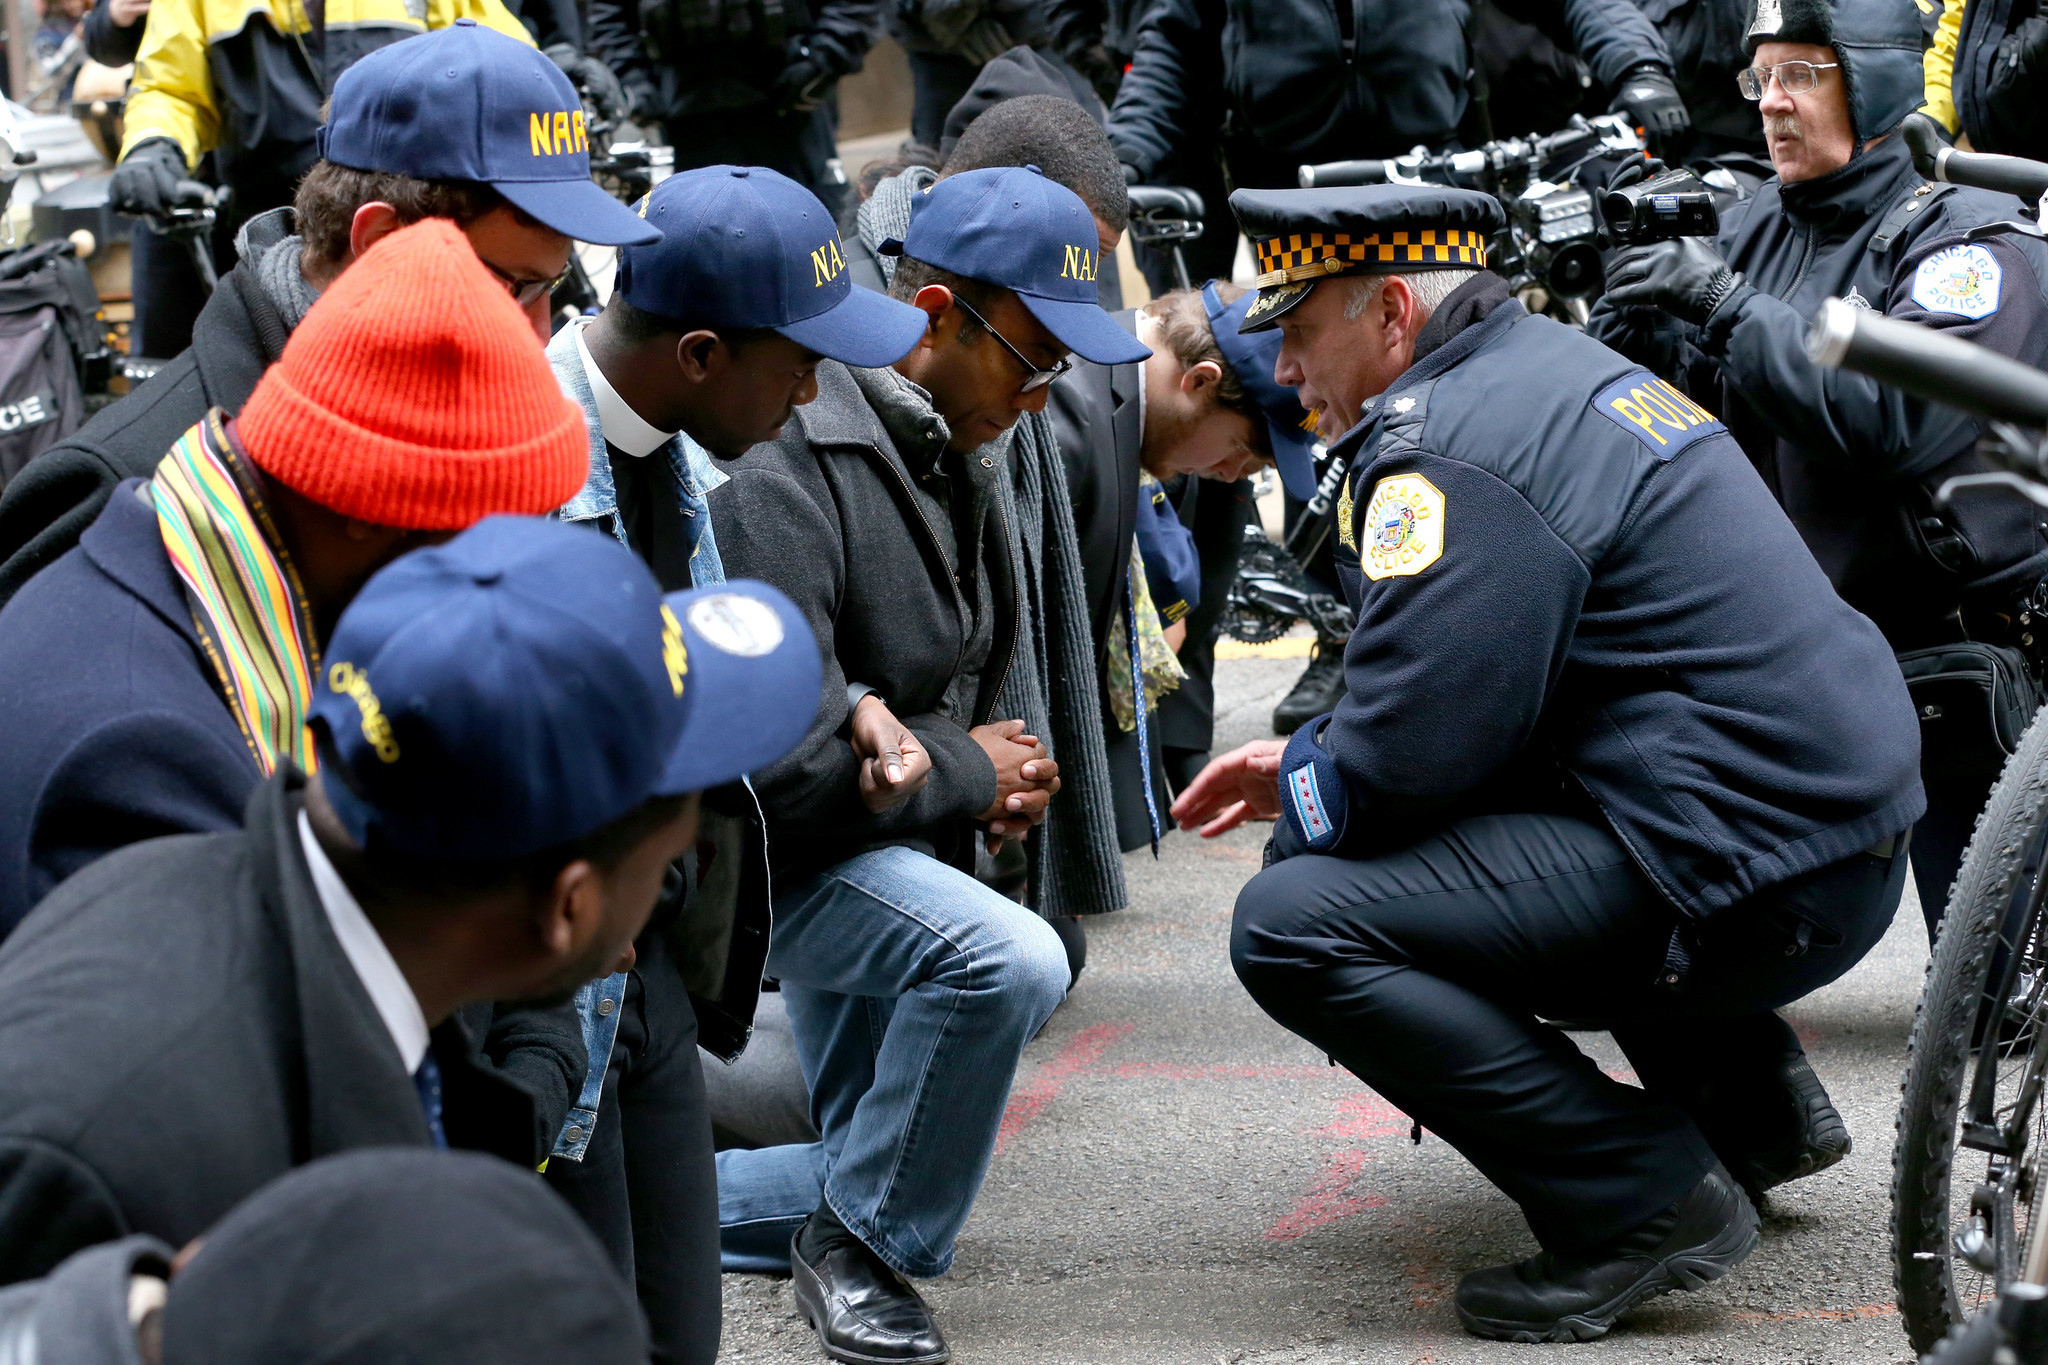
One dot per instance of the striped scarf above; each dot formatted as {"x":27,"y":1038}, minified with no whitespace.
{"x":247,"y":603}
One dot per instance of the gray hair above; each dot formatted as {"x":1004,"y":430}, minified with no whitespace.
{"x":1430,"y":288}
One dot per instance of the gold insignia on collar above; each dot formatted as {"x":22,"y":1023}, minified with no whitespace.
{"x":1344,"y":507}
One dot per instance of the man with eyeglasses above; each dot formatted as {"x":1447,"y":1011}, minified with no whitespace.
{"x":474,"y":153}
{"x":911,"y":988}
{"x":1856,"y":464}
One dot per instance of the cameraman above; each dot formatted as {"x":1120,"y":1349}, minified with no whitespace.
{"x":1855,"y":464}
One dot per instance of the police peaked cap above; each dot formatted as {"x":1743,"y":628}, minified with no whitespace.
{"x":1301,"y":236}
{"x":1878,"y":43}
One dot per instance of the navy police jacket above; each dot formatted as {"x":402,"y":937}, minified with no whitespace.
{"x":1559,"y":566}
{"x":1856,"y":463}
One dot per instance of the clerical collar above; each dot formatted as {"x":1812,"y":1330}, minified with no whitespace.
{"x":622,"y":426}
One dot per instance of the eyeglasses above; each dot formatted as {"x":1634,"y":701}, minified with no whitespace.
{"x":527,"y":292}
{"x":1794,"y":78}
{"x":1038,"y":378}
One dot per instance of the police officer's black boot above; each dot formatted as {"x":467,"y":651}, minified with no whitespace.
{"x":862,"y":1310}
{"x":1319,"y":690}
{"x":1556,"y":1297}
{"x":1802,"y":1133}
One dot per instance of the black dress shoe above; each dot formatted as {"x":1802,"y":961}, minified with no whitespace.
{"x":1317,"y":692}
{"x":863,"y":1311}
{"x":1810,"y":1135}
{"x":1552,"y":1297}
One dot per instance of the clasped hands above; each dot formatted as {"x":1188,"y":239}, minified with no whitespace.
{"x":894,"y":766}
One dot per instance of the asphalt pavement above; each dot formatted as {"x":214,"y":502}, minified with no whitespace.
{"x":1180,"y":1181}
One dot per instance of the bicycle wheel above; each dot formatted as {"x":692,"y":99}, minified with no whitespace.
{"x":1971,"y":1121}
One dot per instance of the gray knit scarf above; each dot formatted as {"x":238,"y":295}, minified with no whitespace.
{"x":1077,"y":867}
{"x":277,"y":270}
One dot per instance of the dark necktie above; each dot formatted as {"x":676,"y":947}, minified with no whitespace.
{"x":427,"y":1080}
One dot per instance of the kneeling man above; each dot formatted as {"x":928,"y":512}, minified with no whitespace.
{"x":1610,"y":750}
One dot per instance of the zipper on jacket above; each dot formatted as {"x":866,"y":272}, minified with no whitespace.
{"x":1347,"y":34}
{"x":1805,"y":261}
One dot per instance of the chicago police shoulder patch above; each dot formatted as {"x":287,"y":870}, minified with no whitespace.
{"x":1963,"y":279}
{"x":1655,"y":413}
{"x":1403,"y":530}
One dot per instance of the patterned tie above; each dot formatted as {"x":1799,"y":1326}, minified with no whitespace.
{"x":427,"y":1080}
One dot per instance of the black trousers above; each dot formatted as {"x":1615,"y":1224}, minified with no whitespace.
{"x":1427,"y":973}
{"x":647,"y":1184}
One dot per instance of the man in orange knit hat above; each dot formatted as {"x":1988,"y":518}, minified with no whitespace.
{"x":156,"y":673}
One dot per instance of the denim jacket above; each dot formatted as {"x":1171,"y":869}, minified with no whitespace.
{"x":724,"y":973}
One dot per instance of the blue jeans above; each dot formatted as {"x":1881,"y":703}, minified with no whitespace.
{"x":912,"y":990}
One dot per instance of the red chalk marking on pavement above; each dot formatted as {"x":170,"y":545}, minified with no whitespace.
{"x":1082,"y":1052}
{"x":1366,"y":1116}
{"x":1326,"y":1200}
{"x":1863,"y":1310}
{"x":1168,"y":1071}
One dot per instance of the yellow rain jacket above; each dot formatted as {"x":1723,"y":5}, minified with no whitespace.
{"x":246,"y":79}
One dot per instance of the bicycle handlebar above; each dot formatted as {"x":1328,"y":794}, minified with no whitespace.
{"x":1928,"y":364}
{"x":1937,"y":160}
{"x":1418,"y":165}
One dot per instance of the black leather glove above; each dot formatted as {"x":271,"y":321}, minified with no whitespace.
{"x":1649,"y":96}
{"x":1685,"y":277}
{"x":152,"y":178}
{"x":805,"y":83}
{"x":593,"y":80}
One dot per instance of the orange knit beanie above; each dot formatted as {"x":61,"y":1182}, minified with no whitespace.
{"x":415,"y":395}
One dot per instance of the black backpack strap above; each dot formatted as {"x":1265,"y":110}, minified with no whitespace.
{"x":1905,"y":211}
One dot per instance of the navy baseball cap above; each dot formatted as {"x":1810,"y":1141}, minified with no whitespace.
{"x":527,"y":683}
{"x":1011,"y":226}
{"x":1252,"y":357}
{"x":469,"y":103}
{"x":744,"y":246}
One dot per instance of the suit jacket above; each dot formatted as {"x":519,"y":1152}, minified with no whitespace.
{"x":179,"y":1026}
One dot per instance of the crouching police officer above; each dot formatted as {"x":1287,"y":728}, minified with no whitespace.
{"x":1855,"y":464}
{"x":1610,"y":750}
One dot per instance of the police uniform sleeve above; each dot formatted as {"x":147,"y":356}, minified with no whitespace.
{"x":772,"y":528}
{"x":1178,"y":53}
{"x":172,"y":93}
{"x":1984,"y":292}
{"x":1465,"y":602}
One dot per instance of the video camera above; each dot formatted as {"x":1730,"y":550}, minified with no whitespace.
{"x":1555,"y":225}
{"x":1660,"y":207}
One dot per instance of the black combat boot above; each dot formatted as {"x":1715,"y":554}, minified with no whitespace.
{"x":1319,"y":690}
{"x":1804,"y":1134}
{"x":862,"y":1310}
{"x":1556,"y":1297}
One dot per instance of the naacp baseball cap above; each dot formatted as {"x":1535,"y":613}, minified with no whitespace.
{"x":1011,"y":226}
{"x":527,"y":683}
{"x":744,"y":246}
{"x":469,"y":103}
{"x":1252,"y":357}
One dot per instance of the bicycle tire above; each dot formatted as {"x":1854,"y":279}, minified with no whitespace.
{"x":1941,"y":1052}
